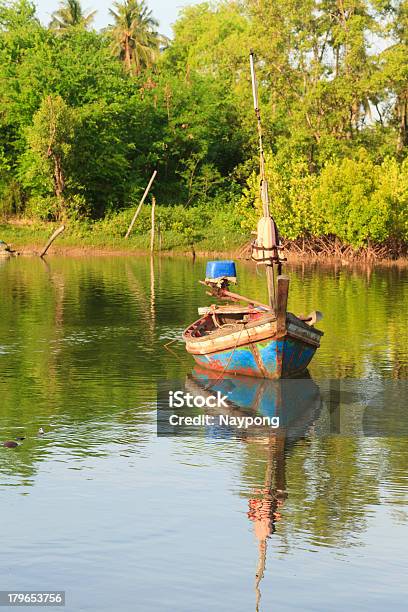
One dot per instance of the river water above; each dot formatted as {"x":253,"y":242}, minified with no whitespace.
{"x":121,"y":520}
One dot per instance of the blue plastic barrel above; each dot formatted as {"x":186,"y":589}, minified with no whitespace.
{"x":220,"y":269}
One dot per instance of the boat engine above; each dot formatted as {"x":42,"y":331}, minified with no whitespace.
{"x":219,"y":274}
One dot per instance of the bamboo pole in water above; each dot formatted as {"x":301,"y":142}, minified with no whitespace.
{"x":141,"y":203}
{"x":152,"y":298}
{"x":152,"y":230}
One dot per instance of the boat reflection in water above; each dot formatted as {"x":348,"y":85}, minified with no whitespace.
{"x":294,"y":403}
{"x":297,"y":403}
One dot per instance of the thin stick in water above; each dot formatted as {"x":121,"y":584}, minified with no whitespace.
{"x":51,"y":240}
{"x":141,"y":203}
{"x":152,"y":230}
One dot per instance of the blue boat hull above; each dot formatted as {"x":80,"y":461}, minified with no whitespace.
{"x":272,"y":359}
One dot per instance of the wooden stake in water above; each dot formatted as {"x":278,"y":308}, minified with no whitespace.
{"x":152,"y":230}
{"x":141,"y":203}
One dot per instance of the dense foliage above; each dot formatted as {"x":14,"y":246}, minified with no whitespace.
{"x":86,"y":116}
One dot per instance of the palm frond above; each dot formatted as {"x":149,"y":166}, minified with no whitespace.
{"x":134,"y":34}
{"x":70,"y":14}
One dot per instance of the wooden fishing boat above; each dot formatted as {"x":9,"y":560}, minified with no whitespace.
{"x":252,"y":342}
{"x":256,"y":339}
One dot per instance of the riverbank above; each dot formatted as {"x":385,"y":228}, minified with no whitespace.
{"x":27,"y":238}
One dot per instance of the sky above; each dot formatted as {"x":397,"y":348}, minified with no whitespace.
{"x":165,"y":11}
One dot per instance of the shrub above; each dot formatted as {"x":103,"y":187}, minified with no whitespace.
{"x":290,"y":190}
{"x":42,"y":208}
{"x":11,"y":199}
{"x":356,"y":200}
{"x":359,"y":201}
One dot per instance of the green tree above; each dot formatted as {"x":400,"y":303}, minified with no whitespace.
{"x":113,"y":154}
{"x":50,"y":139}
{"x":20,"y":30}
{"x":15,"y":14}
{"x":315,"y":60}
{"x":393,"y":78}
{"x":135,"y":39}
{"x":198,"y":140}
{"x":70,"y":14}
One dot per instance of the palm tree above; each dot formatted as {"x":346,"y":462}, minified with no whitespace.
{"x":135,"y":39}
{"x":70,"y":14}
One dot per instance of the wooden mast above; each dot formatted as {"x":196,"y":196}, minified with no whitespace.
{"x":270,"y":278}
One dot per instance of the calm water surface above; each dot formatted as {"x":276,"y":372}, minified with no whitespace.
{"x":123,"y":520}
